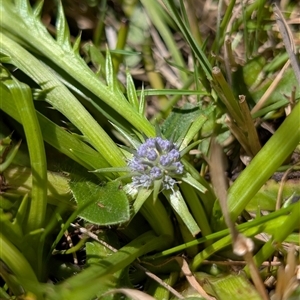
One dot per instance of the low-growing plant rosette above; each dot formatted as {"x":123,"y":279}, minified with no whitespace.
{"x":157,"y":166}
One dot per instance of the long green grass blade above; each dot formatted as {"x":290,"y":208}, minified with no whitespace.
{"x":24,"y":103}
{"x":265,"y":163}
{"x":61,"y":99}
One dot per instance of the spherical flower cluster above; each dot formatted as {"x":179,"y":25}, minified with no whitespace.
{"x":155,"y":160}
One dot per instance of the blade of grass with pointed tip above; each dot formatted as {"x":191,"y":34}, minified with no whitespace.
{"x":205,"y":64}
{"x":24,"y":23}
{"x":63,"y":100}
{"x":57,"y":137}
{"x":178,"y":204}
{"x":23,"y":101}
{"x":265,"y":163}
{"x":156,"y":15}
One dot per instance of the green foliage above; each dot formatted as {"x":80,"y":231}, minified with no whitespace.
{"x":105,"y":205}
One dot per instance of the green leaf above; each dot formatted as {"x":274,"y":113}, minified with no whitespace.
{"x":196,"y":126}
{"x":106,"y":205}
{"x":85,"y":284}
{"x":166,"y":92}
{"x":61,"y":99}
{"x":9,"y":157}
{"x":57,"y":136}
{"x":178,"y":204}
{"x":22,"y":96}
{"x":265,"y":199}
{"x":76,"y":45}
{"x":180,"y":120}
{"x":39,"y":40}
{"x":188,"y":178}
{"x":62,"y":29}
{"x":226,"y":287}
{"x":265,"y":163}
{"x":98,"y":251}
{"x":109,"y":71}
{"x":131,"y":92}
{"x":15,"y":260}
{"x":37,"y":9}
{"x":205,"y":64}
{"x":284,"y":87}
{"x":142,"y":196}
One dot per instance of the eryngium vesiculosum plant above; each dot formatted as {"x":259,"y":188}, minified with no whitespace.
{"x":155,"y":162}
{"x":147,"y":200}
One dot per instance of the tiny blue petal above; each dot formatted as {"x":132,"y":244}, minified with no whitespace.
{"x":152,"y":155}
{"x":165,"y":160}
{"x":178,"y":167}
{"x":156,"y":159}
{"x":136,"y":165}
{"x":168,"y":182}
{"x":156,"y":173}
{"x":174,"y":154}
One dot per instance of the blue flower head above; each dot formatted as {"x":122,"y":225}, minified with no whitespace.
{"x":156,"y":159}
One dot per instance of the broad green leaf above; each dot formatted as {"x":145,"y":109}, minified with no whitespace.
{"x":231,"y":286}
{"x":180,"y":120}
{"x":284,"y":88}
{"x":106,"y":205}
{"x":266,"y":197}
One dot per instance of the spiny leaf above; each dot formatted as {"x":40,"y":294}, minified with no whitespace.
{"x":109,"y":71}
{"x":131,"y":92}
{"x":142,"y":106}
{"x":24,"y":7}
{"x":37,"y":9}
{"x":76,"y":45}
{"x":62,"y":29}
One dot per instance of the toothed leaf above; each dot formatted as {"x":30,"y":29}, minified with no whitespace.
{"x":109,"y":69}
{"x":37,"y":9}
{"x":62,"y":29}
{"x":103,"y":205}
{"x":131,"y":92}
{"x":142,"y":106}
{"x":76,"y":46}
